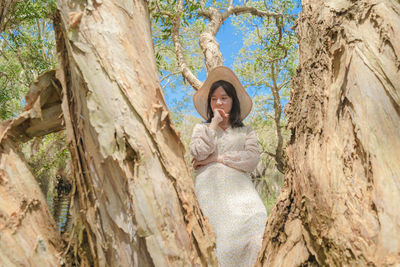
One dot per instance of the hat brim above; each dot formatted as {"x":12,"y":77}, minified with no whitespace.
{"x":222,"y":73}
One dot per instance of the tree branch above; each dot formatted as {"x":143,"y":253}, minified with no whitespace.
{"x":280,"y":29}
{"x":162,"y":12}
{"x":165,"y":85}
{"x":269,"y":153}
{"x":238,"y":10}
{"x":169,"y":75}
{"x":186,"y":72}
{"x":283,"y":84}
{"x":206,"y":13}
{"x":40,"y":38}
{"x":17,"y":51}
{"x":5,"y":6}
{"x":278,"y":111}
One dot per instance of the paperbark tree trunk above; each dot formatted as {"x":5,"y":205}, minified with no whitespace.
{"x":28,"y":234}
{"x":339,"y":204}
{"x":134,"y":191}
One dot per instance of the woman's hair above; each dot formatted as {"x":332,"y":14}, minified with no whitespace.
{"x":234,"y":115}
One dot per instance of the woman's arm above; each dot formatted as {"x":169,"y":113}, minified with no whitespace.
{"x":203,"y":142}
{"x":245,"y":160}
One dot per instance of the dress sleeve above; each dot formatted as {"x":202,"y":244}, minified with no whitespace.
{"x":203,"y":142}
{"x":247,"y":159}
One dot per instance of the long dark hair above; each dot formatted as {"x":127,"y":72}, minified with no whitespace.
{"x":234,"y":115}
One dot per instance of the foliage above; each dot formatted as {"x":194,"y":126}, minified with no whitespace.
{"x":48,"y":159}
{"x":268,"y":179}
{"x":175,"y":88}
{"x":267,"y":61}
{"x":27,"y":48}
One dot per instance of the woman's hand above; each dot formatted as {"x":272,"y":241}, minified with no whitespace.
{"x":199,"y":163}
{"x":219,"y":116}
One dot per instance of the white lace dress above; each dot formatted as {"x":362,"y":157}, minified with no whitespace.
{"x":226,"y":194}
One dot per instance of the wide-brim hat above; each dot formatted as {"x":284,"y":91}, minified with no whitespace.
{"x":226,"y":74}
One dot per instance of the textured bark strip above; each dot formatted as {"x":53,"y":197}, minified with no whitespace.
{"x":42,"y":114}
{"x":28,"y":234}
{"x":134,"y":191}
{"x":339,"y":205}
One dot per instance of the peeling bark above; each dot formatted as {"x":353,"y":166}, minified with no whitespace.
{"x":42,"y":114}
{"x":28,"y":234}
{"x":133,"y":189}
{"x":339,"y":204}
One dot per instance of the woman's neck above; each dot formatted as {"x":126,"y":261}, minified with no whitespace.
{"x":225,"y":124}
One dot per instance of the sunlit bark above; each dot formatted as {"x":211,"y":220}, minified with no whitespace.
{"x":339,"y":204}
{"x":28,"y":234}
{"x":134,"y":191}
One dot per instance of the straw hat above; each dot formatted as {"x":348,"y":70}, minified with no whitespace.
{"x":222,"y":73}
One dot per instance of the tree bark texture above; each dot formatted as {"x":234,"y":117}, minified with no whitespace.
{"x":208,"y":42}
{"x":134,"y":191}
{"x":28,"y":234}
{"x":340,"y":202}
{"x":5,"y":6}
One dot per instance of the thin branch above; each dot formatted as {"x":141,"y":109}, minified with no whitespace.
{"x":206,"y":13}
{"x":166,"y":84}
{"x":238,"y":10}
{"x":270,"y":116}
{"x":278,"y":111}
{"x":40,"y":38}
{"x":3,"y":54}
{"x":5,"y":7}
{"x":4,"y":74}
{"x":202,"y":5}
{"x":18,"y":54}
{"x":169,"y":75}
{"x":283,"y":84}
{"x":261,"y":82}
{"x":268,"y":153}
{"x":162,"y":12}
{"x":278,"y":44}
{"x":186,"y":72}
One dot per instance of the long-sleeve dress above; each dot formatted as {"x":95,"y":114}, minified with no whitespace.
{"x":226,"y":194}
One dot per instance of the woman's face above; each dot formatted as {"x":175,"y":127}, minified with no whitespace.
{"x":221,"y":100}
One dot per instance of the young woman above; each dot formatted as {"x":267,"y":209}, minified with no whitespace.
{"x":224,"y":153}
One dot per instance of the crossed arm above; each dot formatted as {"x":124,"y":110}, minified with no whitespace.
{"x":203,"y":146}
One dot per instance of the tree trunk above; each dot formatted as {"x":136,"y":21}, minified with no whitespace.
{"x":28,"y":234}
{"x":134,"y":191}
{"x":339,"y":204}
